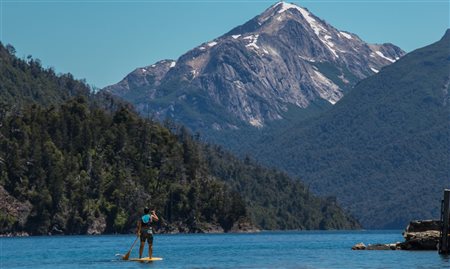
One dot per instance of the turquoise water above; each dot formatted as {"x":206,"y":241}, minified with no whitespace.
{"x":308,"y":250}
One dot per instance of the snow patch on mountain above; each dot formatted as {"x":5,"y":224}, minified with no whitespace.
{"x":286,"y":6}
{"x":346,"y":35}
{"x":312,"y":22}
{"x":212,"y":44}
{"x":379,"y":53}
{"x":330,"y":45}
{"x":327,"y":89}
{"x":253,"y":39}
{"x":317,"y":28}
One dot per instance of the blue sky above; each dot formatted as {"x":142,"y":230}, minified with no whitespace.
{"x":102,"y":41}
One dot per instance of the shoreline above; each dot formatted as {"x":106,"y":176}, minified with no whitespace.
{"x":419,"y":235}
{"x":256,"y":231}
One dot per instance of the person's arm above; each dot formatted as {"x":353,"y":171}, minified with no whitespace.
{"x":138,"y":231}
{"x":154,"y":217}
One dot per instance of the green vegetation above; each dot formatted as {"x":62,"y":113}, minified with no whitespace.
{"x":383,"y":150}
{"x":88,"y":163}
{"x":274,"y":200}
{"x":25,"y":81}
{"x":77,"y":165}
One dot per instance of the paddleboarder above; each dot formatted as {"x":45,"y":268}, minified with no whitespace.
{"x":145,"y":231}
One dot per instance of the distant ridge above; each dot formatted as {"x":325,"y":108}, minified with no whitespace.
{"x":383,"y":150}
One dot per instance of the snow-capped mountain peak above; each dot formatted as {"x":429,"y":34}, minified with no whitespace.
{"x":285,"y":57}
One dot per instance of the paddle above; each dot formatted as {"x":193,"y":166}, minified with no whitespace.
{"x":126,"y":256}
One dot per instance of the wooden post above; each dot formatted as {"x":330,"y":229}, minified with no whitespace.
{"x":444,"y":244}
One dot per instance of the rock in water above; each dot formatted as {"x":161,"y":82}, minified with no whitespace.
{"x":416,"y":226}
{"x":421,"y":235}
{"x":359,"y":246}
{"x":379,"y":247}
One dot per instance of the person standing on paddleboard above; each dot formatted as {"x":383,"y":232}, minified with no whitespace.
{"x":145,"y":231}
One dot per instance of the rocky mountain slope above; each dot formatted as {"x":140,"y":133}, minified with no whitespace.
{"x":383,"y":150}
{"x":281,"y":61}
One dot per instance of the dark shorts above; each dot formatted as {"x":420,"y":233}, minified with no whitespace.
{"x":147,"y":236}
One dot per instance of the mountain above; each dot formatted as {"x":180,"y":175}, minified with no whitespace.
{"x":282,"y":62}
{"x":383,"y":150}
{"x":73,"y":162}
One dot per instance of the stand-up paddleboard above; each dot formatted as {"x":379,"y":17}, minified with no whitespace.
{"x":146,"y":259}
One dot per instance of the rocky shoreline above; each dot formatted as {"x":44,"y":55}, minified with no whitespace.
{"x":241,"y":226}
{"x":15,"y":213}
{"x":202,"y":227}
{"x":419,"y":235}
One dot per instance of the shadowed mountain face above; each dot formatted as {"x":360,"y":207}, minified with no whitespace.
{"x":383,"y":150}
{"x":284,"y":59}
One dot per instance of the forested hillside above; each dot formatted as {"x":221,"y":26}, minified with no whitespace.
{"x":67,"y":165}
{"x":25,"y":81}
{"x":78,"y":166}
{"x":274,"y":200}
{"x":383,"y":150}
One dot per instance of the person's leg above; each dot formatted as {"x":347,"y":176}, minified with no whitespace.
{"x":150,"y":246}
{"x":141,"y":248}
{"x":150,"y":250}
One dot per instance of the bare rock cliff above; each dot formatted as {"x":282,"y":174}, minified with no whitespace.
{"x":284,"y":57}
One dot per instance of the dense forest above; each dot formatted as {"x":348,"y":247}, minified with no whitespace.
{"x":274,"y":200}
{"x":75,"y":162}
{"x":383,"y":150}
{"x":77,"y":166}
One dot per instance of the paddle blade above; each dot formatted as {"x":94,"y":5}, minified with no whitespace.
{"x":126,"y":256}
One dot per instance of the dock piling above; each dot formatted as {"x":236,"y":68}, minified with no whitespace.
{"x":444,"y":243}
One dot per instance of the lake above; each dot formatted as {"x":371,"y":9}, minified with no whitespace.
{"x":299,"y":249}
